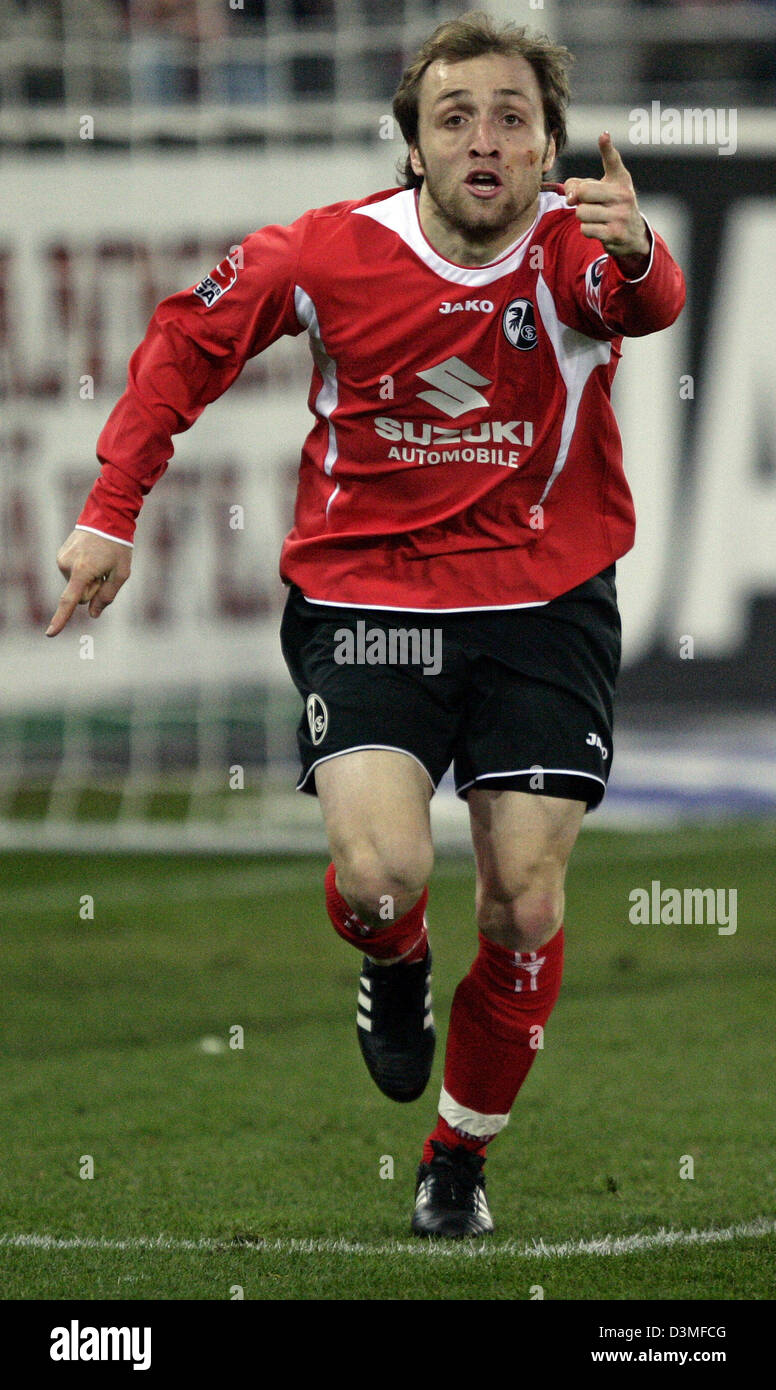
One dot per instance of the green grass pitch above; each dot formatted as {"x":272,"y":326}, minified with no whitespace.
{"x":277,"y":1169}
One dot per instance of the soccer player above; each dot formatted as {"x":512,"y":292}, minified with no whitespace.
{"x":451,"y":568}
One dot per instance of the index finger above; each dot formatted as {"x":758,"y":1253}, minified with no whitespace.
{"x":76,"y":592}
{"x":610,"y":155}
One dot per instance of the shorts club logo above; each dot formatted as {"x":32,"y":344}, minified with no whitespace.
{"x":519,"y":324}
{"x":317,"y":718}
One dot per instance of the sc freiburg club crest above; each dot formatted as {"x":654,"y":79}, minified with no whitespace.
{"x":317,"y":718}
{"x":519,"y":324}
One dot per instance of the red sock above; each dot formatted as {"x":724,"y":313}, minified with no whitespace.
{"x":496,"y":1027}
{"x":405,"y":939}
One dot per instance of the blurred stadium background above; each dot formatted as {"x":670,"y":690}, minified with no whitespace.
{"x":139,"y":140}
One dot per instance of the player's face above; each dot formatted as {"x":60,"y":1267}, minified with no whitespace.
{"x":482,"y":150}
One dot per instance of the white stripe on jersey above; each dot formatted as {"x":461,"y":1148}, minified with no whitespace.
{"x":576,"y":355}
{"x":326,"y":400}
{"x":400,"y":215}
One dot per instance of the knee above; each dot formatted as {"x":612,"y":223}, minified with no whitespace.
{"x":381,"y":883}
{"x":522,"y":911}
{"x":535,"y":917}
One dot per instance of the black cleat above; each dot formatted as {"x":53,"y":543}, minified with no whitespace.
{"x":450,"y":1195}
{"x":395,"y":1026}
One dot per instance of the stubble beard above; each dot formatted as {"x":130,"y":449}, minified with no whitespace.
{"x":478,"y":226}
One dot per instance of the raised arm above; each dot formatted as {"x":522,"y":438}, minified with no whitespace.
{"x":635,"y":287}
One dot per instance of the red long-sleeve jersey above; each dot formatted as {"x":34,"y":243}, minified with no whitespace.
{"x":464,"y":452}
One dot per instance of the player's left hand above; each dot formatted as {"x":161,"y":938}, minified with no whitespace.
{"x":607,"y":207}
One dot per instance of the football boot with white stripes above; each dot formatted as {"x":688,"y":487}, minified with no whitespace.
{"x":395,"y":1026}
{"x":450,"y":1195}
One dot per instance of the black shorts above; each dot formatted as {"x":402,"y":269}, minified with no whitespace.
{"x":518,"y":699}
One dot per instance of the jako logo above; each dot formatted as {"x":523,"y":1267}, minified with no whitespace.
{"x":481,"y":306}
{"x":595,"y":742}
{"x":317,"y":718}
{"x":76,"y":1343}
{"x":456,"y":382}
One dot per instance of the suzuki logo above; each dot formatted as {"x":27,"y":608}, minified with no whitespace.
{"x":456,"y":383}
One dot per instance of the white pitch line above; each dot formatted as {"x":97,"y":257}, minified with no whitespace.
{"x":190,"y":886}
{"x":603,"y":1245}
{"x":258,"y":881}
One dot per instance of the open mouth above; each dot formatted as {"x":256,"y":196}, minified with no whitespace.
{"x":483,"y":183}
